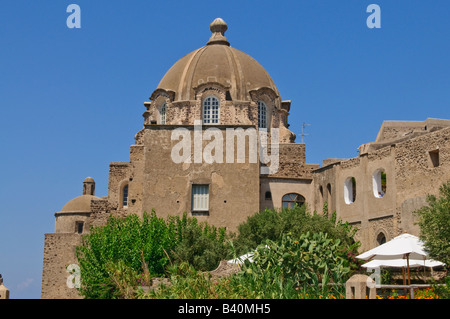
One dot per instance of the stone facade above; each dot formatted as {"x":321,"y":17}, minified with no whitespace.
{"x":415,"y":160}
{"x":413,"y":156}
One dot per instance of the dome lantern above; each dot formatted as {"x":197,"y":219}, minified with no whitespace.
{"x":218,"y":28}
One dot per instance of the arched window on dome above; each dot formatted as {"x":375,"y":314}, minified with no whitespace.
{"x":262,"y":115}
{"x":211,"y":110}
{"x":162,"y":113}
{"x":292,"y":200}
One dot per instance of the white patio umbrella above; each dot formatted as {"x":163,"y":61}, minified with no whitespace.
{"x":404,"y":247}
{"x":396,"y":248}
{"x":240,"y":260}
{"x":399,"y":263}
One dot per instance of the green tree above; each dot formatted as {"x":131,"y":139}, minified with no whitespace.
{"x":123,"y":245}
{"x":301,"y":263}
{"x":200,"y":244}
{"x":272,"y":225}
{"x":434,"y":222}
{"x":114,"y":257}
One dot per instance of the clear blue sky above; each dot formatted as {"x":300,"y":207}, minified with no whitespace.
{"x":72,"y":99}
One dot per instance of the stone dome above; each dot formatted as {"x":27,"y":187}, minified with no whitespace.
{"x":216,"y":62}
{"x":80,"y":204}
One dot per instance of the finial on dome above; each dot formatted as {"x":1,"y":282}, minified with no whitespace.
{"x":218,"y":28}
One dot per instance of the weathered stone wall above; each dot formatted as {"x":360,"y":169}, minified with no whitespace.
{"x":233,"y":187}
{"x":66,"y":222}
{"x":59,"y":252}
{"x":366,"y":207}
{"x":278,"y":187}
{"x":410,"y":176}
{"x":119,"y":173}
{"x":416,"y":175}
{"x":292,"y":162}
{"x":324,"y":188}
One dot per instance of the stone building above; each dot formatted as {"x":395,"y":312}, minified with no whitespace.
{"x":378,"y":190}
{"x":4,"y":292}
{"x":196,"y":153}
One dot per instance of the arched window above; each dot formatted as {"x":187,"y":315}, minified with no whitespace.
{"x":291,"y":200}
{"x":350,"y":190}
{"x":329,"y":198}
{"x":262,"y":115}
{"x":211,"y":110}
{"x":163,"y":114}
{"x":125,"y":196}
{"x":379,"y":183}
{"x":381,"y":238}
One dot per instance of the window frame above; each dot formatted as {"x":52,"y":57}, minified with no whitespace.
{"x":377,"y":183}
{"x":79,"y":225}
{"x":207,"y":117}
{"x":196,"y":209}
{"x":163,"y":113}
{"x":292,"y":200}
{"x":262,"y":115}
{"x":350,"y":190}
{"x":434,"y":158}
{"x":123,"y":201}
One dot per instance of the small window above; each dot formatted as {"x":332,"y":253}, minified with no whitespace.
{"x":379,"y":183}
{"x":262,"y":115}
{"x":79,"y":227}
{"x":381,"y":239}
{"x":211,"y":110}
{"x":329,"y":197}
{"x":125,"y":196}
{"x":350,"y":190}
{"x":163,"y":114}
{"x":200,"y":200}
{"x":434,"y":158}
{"x":292,"y":200}
{"x":268,"y":196}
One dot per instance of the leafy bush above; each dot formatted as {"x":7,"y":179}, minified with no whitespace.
{"x":131,"y":241}
{"x":288,"y":269}
{"x":201,"y":245}
{"x":126,"y":247}
{"x":306,"y":264}
{"x":272,"y":225}
{"x":306,"y":249}
{"x":434,"y":222}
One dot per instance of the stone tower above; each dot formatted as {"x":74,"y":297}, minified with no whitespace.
{"x":89,"y":186}
{"x":4,"y":292}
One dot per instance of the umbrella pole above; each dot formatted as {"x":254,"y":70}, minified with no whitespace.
{"x":404,"y":278}
{"x":409,"y":276}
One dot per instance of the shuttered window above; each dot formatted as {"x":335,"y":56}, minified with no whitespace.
{"x":200,"y":198}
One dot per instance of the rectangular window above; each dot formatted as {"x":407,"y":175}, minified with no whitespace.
{"x":125,"y":196}
{"x":200,"y":200}
{"x":211,"y":110}
{"x":434,"y":158}
{"x":79,"y":227}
